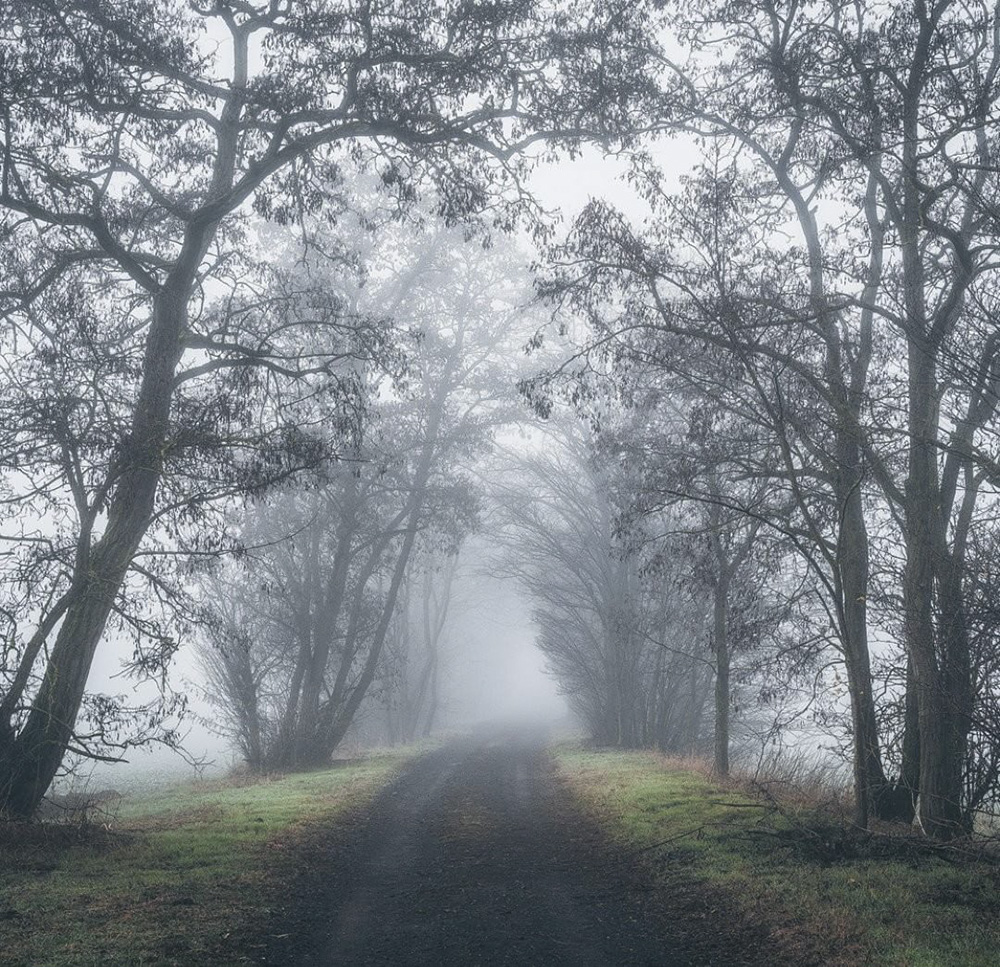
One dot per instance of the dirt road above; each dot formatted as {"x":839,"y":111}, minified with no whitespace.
{"x":475,"y":856}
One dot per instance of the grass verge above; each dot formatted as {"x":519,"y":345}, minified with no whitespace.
{"x":826,"y":897}
{"x":181,"y":878}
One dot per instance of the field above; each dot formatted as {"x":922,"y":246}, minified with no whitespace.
{"x":828,"y":896}
{"x":183,"y":876}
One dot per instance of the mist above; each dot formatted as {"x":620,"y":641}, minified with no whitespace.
{"x":498,"y":674}
{"x":493,"y":483}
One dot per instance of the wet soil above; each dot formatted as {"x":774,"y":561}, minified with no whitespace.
{"x":476,"y":855}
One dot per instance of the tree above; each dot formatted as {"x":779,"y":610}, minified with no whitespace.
{"x":882,"y":94}
{"x":623,"y":641}
{"x":868,"y":133}
{"x":338,"y":559}
{"x":132,"y":149}
{"x":689,"y":495}
{"x":414,"y":656}
{"x":701,"y":305}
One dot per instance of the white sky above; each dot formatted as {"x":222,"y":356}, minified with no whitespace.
{"x":568,"y":185}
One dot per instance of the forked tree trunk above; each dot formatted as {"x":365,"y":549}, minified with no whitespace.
{"x":940,"y":655}
{"x":335,"y":724}
{"x":323,"y":625}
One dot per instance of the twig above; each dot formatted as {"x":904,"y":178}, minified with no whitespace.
{"x":673,"y":839}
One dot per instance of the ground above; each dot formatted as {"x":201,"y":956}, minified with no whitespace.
{"x":479,"y":855}
{"x":490,"y":850}
{"x":786,"y":854}
{"x":178,"y":878}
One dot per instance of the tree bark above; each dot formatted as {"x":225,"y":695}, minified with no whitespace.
{"x":720,"y":641}
{"x":852,"y":573}
{"x":940,"y":656}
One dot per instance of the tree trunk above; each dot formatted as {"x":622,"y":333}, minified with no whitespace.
{"x":324,"y":630}
{"x":30,"y":761}
{"x":908,"y":786}
{"x":336,"y":728}
{"x":939,"y":656}
{"x":852,"y":556}
{"x":720,"y":642}
{"x":870,"y":784}
{"x":435,"y":700}
{"x":695,"y":710}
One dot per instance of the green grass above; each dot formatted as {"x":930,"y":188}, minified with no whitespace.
{"x":882,"y":903}
{"x":175,"y":877}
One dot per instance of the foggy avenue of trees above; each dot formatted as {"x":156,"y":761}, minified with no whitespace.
{"x":286,"y":322}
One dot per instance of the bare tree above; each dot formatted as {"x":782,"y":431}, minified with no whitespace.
{"x":338,"y":576}
{"x":415,"y":657}
{"x":137,"y":137}
{"x":627,"y":638}
{"x":869,"y":134}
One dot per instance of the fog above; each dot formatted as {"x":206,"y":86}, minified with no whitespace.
{"x":499,"y":482}
{"x":597,"y":411}
{"x":493,"y":674}
{"x":496,"y":673}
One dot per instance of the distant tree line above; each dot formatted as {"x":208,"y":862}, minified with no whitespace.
{"x":340,"y":595}
{"x":656,"y":620}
